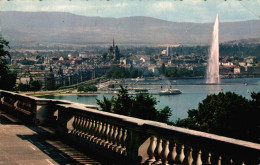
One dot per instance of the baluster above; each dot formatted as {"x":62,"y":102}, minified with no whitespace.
{"x":181,"y":155}
{"x":173,"y":153}
{"x":85,"y":127}
{"x":209,"y":159}
{"x":89,"y":129}
{"x":107,"y":135}
{"x":118,"y":138}
{"x":158,"y":151}
{"x":79,"y":126}
{"x":99,"y":132}
{"x":110,"y":137}
{"x":165,"y":152}
{"x":150,"y":150}
{"x":231,"y":161}
{"x":123,"y":142}
{"x":188,"y":159}
{"x":103,"y":134}
{"x":93,"y":130}
{"x":96,"y":131}
{"x":93,"y":135}
{"x":219,"y":160}
{"x":199,"y":161}
{"x":74,"y":124}
{"x":80,"y":133}
{"x":114,"y":137}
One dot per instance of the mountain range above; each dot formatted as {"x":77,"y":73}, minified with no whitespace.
{"x":62,"y":27}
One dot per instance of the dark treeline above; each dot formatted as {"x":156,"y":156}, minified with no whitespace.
{"x":32,"y":86}
{"x":121,"y":72}
{"x":227,"y":114}
{"x":180,"y":72}
{"x":240,"y":50}
{"x":186,"y":50}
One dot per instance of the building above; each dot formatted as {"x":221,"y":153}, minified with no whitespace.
{"x":114,"y":53}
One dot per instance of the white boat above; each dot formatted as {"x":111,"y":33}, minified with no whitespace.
{"x":170,"y":91}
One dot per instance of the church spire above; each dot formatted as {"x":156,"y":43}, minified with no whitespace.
{"x":113,"y":43}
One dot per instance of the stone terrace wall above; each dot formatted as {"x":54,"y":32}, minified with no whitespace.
{"x":128,"y":140}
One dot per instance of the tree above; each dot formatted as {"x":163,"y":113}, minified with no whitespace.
{"x":106,"y":104}
{"x":226,"y":114}
{"x":23,"y":87}
{"x":104,"y":56}
{"x":87,"y":88}
{"x":140,"y":106}
{"x":35,"y":85}
{"x":144,"y":107}
{"x":163,"y":69}
{"x":7,"y":78}
{"x":164,"y":114}
{"x":121,"y":72}
{"x":123,"y":103}
{"x":3,"y":52}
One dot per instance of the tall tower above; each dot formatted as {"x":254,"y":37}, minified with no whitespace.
{"x":113,"y":43}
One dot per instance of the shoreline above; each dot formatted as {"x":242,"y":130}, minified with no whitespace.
{"x":132,"y":82}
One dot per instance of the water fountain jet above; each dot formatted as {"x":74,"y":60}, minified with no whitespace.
{"x":213,"y":61}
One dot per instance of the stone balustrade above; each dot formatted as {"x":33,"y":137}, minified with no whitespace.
{"x":128,"y":140}
{"x":32,"y":109}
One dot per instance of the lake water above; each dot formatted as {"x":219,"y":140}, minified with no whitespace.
{"x":193,"y":92}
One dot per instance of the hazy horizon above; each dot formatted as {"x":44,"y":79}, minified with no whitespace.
{"x":175,"y":11}
{"x":129,"y":17}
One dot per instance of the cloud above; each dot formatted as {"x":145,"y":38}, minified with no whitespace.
{"x":180,"y":11}
{"x":163,"y":5}
{"x":121,"y":5}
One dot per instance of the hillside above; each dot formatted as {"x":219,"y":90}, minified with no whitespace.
{"x":53,"y":27}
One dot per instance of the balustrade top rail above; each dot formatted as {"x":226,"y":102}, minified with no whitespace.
{"x":125,"y":135}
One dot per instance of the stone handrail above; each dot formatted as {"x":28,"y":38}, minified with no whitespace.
{"x":31,"y":109}
{"x":129,"y":140}
{"x":175,"y":145}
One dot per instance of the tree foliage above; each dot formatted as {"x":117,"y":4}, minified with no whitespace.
{"x":7,"y":78}
{"x":121,"y":72}
{"x":180,"y":72}
{"x":140,"y":106}
{"x":240,"y":50}
{"x":87,"y":88}
{"x":226,"y":114}
{"x":32,"y":86}
{"x":3,"y":51}
{"x":27,"y":62}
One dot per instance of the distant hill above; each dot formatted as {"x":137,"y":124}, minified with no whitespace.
{"x":53,"y":27}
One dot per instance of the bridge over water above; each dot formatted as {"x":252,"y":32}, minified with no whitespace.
{"x":44,"y":131}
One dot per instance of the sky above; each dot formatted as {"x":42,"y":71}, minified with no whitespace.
{"x":201,"y":11}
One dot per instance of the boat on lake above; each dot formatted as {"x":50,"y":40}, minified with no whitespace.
{"x":170,"y":91}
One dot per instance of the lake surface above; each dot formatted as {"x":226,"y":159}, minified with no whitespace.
{"x":193,"y":92}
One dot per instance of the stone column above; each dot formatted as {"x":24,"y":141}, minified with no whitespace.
{"x":64,"y":115}
{"x":43,"y":112}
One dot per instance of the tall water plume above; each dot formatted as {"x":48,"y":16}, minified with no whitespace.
{"x":213,"y":61}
